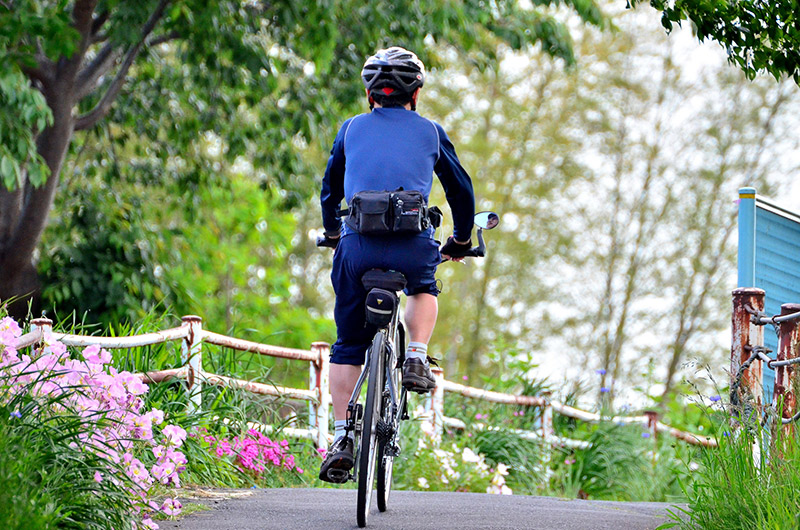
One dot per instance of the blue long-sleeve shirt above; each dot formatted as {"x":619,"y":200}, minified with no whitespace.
{"x":391,"y":148}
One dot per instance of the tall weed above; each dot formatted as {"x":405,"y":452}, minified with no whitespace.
{"x":731,"y":492}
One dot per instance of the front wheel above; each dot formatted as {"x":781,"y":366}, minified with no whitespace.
{"x":368,"y":445}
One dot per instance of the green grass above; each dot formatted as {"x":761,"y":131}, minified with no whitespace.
{"x":732,"y":492}
{"x":47,"y":482}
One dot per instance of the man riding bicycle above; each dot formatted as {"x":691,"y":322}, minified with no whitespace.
{"x":382,"y":163}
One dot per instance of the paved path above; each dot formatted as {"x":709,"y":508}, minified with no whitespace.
{"x":331,"y":509}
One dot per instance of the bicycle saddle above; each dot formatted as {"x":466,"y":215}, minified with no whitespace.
{"x":390,"y":280}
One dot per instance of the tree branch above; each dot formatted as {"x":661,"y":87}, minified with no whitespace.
{"x":40,"y":73}
{"x":88,"y":120}
{"x":98,"y":22}
{"x":102,"y":63}
{"x":161,"y":39}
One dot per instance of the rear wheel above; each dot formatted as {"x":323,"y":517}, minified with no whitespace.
{"x":368,"y":445}
{"x":385,"y":453}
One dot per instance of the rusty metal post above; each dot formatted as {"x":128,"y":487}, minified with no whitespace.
{"x":747,"y":393}
{"x":785,"y":397}
{"x":652,"y":421}
{"x":192,"y":354}
{"x":43,"y":324}
{"x":652,"y":427}
{"x":319,"y":381}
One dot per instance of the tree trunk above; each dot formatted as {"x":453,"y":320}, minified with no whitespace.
{"x":22,"y":224}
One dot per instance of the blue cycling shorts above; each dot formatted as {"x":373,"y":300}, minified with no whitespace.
{"x":416,"y":256}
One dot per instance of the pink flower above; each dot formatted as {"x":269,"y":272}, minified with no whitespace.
{"x":132,"y":383}
{"x":149,"y":523}
{"x":174,"y":434}
{"x":9,"y":331}
{"x":93,"y":354}
{"x":157,"y":416}
{"x":98,"y":477}
{"x":163,"y":472}
{"x":171,"y":507}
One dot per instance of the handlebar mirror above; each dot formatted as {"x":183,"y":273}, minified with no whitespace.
{"x":487,"y":220}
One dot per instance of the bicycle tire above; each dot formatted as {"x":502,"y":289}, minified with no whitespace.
{"x":385,"y":461}
{"x":368,"y":445}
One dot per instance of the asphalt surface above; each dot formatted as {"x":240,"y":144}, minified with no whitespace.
{"x":331,"y":509}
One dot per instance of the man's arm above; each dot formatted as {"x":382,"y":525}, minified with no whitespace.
{"x":457,"y":187}
{"x":333,"y":186}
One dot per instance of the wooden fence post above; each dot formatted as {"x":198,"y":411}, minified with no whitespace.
{"x":192,"y":353}
{"x":785,"y":397}
{"x":433,"y":421}
{"x":318,"y":414}
{"x":548,"y":431}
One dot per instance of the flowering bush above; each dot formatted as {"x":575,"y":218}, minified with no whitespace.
{"x":252,"y":453}
{"x":439,"y":467}
{"x":139,"y":450}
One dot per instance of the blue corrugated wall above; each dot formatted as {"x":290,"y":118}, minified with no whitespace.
{"x":777,"y":269}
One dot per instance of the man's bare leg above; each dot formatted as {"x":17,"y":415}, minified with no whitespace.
{"x":343,"y":380}
{"x":421,"y":312}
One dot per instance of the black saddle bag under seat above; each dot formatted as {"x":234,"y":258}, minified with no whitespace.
{"x":380,"y":306}
{"x":388,"y":212}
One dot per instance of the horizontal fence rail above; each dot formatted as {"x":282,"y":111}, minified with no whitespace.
{"x":192,"y":336}
{"x":547,"y":434}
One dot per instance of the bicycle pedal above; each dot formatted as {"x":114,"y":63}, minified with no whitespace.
{"x":393,"y":451}
{"x":340,"y":476}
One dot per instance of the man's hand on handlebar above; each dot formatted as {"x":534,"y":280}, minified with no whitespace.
{"x":329,"y":240}
{"x":455,"y":250}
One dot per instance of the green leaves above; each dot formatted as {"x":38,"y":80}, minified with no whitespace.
{"x":758,"y":36}
{"x":23,"y":112}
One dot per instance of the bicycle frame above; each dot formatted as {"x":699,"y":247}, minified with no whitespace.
{"x":354,"y":413}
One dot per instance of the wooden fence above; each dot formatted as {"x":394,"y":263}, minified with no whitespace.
{"x":192,"y":336}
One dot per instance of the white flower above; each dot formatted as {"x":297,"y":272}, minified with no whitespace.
{"x":423,"y":482}
{"x":468,"y":455}
{"x":502,"y":469}
{"x":694,"y":466}
{"x":427,"y":428}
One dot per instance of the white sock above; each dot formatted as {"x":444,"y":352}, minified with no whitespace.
{"x":339,"y":429}
{"x":417,"y":350}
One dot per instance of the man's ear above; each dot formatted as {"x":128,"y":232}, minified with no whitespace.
{"x":415,"y":95}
